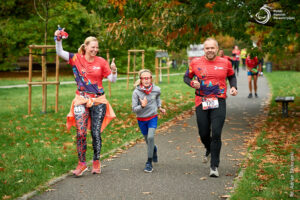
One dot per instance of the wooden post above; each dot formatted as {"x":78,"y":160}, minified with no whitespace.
{"x":128,"y":69}
{"x":134,"y":66}
{"x":57,"y":85}
{"x":109,"y":84}
{"x":156,"y":70}
{"x":44,"y":87}
{"x":30,"y":80}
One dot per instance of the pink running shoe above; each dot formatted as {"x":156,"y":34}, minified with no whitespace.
{"x":96,"y":167}
{"x":80,"y":169}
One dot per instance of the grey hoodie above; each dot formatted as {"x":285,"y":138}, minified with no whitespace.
{"x":153,"y":102}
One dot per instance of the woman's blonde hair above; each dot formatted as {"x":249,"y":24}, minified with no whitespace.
{"x":138,"y":82}
{"x":87,"y":41}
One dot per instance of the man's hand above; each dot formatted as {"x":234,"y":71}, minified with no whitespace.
{"x":144,"y":102}
{"x":196,"y":84}
{"x":233,"y":91}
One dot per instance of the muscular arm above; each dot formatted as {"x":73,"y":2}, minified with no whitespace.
{"x":60,"y":52}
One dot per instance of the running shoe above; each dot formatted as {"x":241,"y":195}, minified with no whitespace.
{"x":96,"y":167}
{"x":206,"y":157}
{"x":256,"y":96}
{"x":250,"y":95}
{"x":80,"y":169}
{"x":214,"y":172}
{"x":155,"y":158}
{"x":148,"y":167}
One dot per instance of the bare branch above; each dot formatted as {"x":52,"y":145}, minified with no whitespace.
{"x":38,"y":11}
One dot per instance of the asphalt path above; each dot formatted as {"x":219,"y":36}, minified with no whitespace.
{"x":179,"y":173}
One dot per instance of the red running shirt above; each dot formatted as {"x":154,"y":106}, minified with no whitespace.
{"x":251,"y":63}
{"x":212,"y":77}
{"x":89,"y":75}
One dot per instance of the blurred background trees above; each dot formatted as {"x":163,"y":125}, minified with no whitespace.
{"x":149,"y":24}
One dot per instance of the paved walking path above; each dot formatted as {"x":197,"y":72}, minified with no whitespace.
{"x":179,"y":174}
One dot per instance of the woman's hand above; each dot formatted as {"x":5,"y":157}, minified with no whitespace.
{"x":113,"y":66}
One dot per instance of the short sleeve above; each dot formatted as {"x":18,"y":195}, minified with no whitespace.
{"x":106,"y":70}
{"x":71,"y":59}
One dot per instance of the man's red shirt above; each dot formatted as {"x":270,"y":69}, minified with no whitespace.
{"x":212,"y":77}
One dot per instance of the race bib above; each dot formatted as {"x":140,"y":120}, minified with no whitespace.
{"x":210,"y":103}
{"x":79,"y":109}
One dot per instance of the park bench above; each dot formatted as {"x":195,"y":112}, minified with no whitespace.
{"x":285,"y":101}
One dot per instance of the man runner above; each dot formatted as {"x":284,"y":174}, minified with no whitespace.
{"x":207,"y":74}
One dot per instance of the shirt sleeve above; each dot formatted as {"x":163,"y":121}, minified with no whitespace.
{"x":230,"y":71}
{"x":106,"y":70}
{"x":158,"y":101}
{"x":188,"y":76}
{"x":136,"y":106}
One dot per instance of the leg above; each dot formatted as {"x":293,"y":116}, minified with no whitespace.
{"x":81,"y":119}
{"x":203,"y":123}
{"x":237,"y":66}
{"x":97,"y":116}
{"x":217,"y":121}
{"x":150,"y":142}
{"x":250,"y":85}
{"x":255,"y":83}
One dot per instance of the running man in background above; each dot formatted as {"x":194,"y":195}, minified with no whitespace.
{"x":236,"y":59}
{"x":253,"y":71}
{"x":222,"y":55}
{"x":243,"y":57}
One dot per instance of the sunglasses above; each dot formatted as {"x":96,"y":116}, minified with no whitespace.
{"x":146,"y":78}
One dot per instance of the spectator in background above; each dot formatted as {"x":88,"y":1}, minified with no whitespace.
{"x":243,"y":57}
{"x":253,"y":71}
{"x":236,"y":59}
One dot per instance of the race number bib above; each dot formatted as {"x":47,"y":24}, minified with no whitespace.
{"x":210,"y":103}
{"x":79,"y":109}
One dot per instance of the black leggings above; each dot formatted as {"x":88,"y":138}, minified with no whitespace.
{"x":235,"y":64}
{"x":82,"y":114}
{"x":210,"y":123}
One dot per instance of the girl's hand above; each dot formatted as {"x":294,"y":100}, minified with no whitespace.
{"x":162,"y":110}
{"x":144,"y":102}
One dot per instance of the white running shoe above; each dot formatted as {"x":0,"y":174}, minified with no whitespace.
{"x":206,"y":158}
{"x":214,"y":172}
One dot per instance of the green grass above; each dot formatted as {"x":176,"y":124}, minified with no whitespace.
{"x":267,"y":173}
{"x":36,"y":148}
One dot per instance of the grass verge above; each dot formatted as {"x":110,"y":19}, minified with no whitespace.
{"x":37,"y":148}
{"x":272,"y":168}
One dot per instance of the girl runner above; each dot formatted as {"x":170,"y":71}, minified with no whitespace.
{"x":145,"y":101}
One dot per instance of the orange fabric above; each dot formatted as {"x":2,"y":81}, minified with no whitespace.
{"x":79,"y":100}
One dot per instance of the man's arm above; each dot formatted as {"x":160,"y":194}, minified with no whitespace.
{"x":232,"y":81}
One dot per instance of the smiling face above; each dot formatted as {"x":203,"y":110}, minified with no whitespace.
{"x":210,"y":49}
{"x":92,"y":48}
{"x":146,"y":79}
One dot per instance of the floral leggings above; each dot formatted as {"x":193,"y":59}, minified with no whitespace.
{"x":82,"y":114}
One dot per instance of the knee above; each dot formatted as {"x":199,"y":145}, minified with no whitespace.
{"x":150,"y":137}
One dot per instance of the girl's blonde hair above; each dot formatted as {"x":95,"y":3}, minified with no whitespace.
{"x":138,"y":82}
{"x":87,"y":41}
